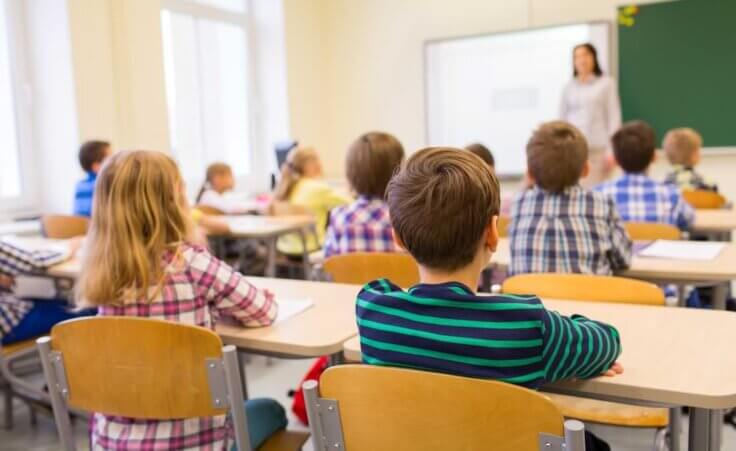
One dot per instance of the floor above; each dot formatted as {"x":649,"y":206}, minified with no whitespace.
{"x":274,"y":379}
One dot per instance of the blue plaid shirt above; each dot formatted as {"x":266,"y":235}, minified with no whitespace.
{"x":576,"y":231}
{"x":363,"y":226}
{"x":639,"y":198}
{"x":83,"y":195}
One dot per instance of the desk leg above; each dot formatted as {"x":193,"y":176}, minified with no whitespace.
{"x":305,"y":256}
{"x":335,"y":359}
{"x":271,"y":258}
{"x":720,"y":293}
{"x":242,"y":359}
{"x":675,"y":428}
{"x":705,"y":428}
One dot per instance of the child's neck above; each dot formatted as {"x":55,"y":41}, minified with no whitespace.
{"x":468,"y":276}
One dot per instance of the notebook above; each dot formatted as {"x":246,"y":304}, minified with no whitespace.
{"x":682,"y":250}
{"x":290,"y":307}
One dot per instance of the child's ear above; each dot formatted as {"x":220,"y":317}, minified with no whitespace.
{"x":96,"y":167}
{"x":397,"y":240}
{"x":586,"y":169}
{"x":529,"y":180}
{"x":492,"y":234}
{"x":654,"y":156}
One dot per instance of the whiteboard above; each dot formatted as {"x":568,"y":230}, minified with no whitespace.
{"x":496,"y":89}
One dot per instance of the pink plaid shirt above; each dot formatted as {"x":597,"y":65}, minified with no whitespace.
{"x":198,"y":289}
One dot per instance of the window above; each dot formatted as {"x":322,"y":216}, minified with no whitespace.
{"x":208,"y":84}
{"x":15,"y":192}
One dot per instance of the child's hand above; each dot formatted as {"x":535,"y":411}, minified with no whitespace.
{"x":615,"y":369}
{"x":6,"y":282}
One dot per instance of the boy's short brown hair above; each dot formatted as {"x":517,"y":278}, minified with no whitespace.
{"x":440,"y":203}
{"x":633,"y":146}
{"x":680,"y":144}
{"x":556,"y":155}
{"x":371,"y":162}
{"x":92,"y":152}
{"x":483,"y":152}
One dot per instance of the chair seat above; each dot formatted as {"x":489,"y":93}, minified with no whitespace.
{"x":11,"y":349}
{"x":285,"y":441}
{"x":610,"y":413}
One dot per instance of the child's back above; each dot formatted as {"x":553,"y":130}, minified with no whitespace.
{"x":558,"y":226}
{"x":364,"y":225}
{"x":442,"y":324}
{"x":638,"y":197}
{"x":140,"y":262}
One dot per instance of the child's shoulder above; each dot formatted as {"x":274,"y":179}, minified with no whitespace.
{"x":187,"y":256}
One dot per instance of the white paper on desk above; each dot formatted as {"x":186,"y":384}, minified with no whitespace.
{"x":291,"y":307}
{"x":32,"y":287}
{"x":682,"y":250}
{"x":36,"y":244}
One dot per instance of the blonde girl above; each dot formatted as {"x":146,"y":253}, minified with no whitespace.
{"x":302,"y":188}
{"x":140,"y":261}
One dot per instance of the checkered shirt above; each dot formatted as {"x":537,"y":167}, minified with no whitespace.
{"x":639,"y":198}
{"x":363,"y":226}
{"x":197,"y":290}
{"x":576,"y":231}
{"x":685,"y":178}
{"x":15,"y":260}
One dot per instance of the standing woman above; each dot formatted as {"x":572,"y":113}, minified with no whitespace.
{"x":590,"y":102}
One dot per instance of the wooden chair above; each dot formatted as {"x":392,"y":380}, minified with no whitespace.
{"x":62,"y":227}
{"x":503,"y":226}
{"x":362,"y":267}
{"x":650,"y":231}
{"x":208,"y":210}
{"x":705,"y":200}
{"x":142,"y":368}
{"x":583,"y":287}
{"x":367,"y":408}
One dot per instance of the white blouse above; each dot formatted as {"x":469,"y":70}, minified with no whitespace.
{"x":594,"y":107}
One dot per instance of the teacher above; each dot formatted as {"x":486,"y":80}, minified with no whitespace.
{"x":590,"y":102}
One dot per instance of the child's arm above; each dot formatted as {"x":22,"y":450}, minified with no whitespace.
{"x":15,"y":259}
{"x":620,"y":255}
{"x":230,"y":293}
{"x":683,"y":214}
{"x":576,"y":347}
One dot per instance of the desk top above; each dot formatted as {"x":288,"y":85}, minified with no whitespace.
{"x":253,"y":226}
{"x":319,"y":330}
{"x":659,"y":270}
{"x":720,"y":220}
{"x":670,"y":355}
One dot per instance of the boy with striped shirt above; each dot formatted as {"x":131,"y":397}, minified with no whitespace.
{"x":444,"y":207}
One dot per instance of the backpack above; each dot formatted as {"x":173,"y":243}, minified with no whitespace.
{"x":298,"y":405}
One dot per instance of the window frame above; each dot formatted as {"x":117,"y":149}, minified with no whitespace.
{"x":27,"y":202}
{"x":254,"y":178}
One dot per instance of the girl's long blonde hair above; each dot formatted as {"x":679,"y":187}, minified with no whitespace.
{"x":293,"y":170}
{"x":140,"y":211}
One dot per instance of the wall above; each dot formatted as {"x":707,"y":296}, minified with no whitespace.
{"x":358,"y":65}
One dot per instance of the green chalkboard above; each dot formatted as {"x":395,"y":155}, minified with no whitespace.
{"x":677,"y":66}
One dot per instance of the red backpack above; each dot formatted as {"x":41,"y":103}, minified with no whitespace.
{"x":298,"y":406}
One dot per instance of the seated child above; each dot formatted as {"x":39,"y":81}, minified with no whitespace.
{"x":557,"y":225}
{"x":23,"y":319}
{"x":682,"y":147}
{"x":140,"y":261}
{"x":302,"y":188}
{"x":483,"y":152}
{"x":638,"y":197}
{"x":91,"y":156}
{"x":364,"y":225}
{"x":442,"y":324}
{"x":219,"y":180}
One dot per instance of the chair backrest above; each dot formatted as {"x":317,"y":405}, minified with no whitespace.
{"x":362,"y":267}
{"x":408,"y":410}
{"x":503,"y":226}
{"x":61,"y":227}
{"x":705,"y":200}
{"x":136,"y":367}
{"x":650,"y":231}
{"x":585,"y":287}
{"x":209,"y":210}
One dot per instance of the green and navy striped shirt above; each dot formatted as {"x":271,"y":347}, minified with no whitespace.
{"x":448,"y":328}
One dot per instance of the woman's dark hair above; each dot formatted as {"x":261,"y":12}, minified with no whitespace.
{"x":596,"y":66}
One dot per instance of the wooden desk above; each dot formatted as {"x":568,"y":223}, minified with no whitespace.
{"x":320,"y":330}
{"x":269,"y":229}
{"x":663,"y":271}
{"x":671,"y":357}
{"x":717,"y":223}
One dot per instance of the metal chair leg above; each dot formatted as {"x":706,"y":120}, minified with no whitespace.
{"x":8,"y":408}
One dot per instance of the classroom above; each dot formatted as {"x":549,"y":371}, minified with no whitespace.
{"x":367,"y":225}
